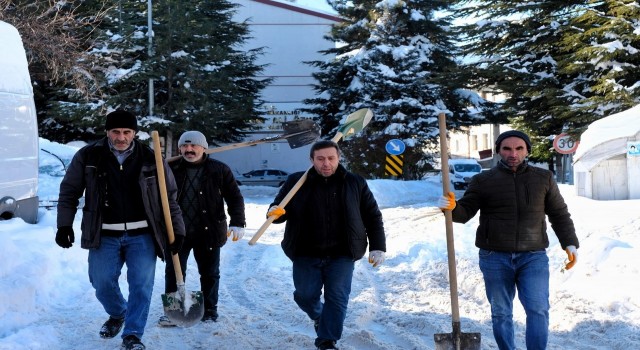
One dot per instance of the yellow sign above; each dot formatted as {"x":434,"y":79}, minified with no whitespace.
{"x":393,"y":166}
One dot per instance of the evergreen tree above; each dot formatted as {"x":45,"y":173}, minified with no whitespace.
{"x":518,"y":52}
{"x":604,"y":52}
{"x":201,"y":78}
{"x":398,"y":60}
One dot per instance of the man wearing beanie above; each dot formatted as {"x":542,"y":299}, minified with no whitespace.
{"x":515,"y":200}
{"x":205,"y":185}
{"x":122,"y":222}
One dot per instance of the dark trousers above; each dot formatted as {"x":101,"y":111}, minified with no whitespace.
{"x":208,"y":261}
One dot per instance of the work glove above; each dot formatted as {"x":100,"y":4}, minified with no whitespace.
{"x":65,"y":237}
{"x":572,"y":256}
{"x":376,"y":257}
{"x":175,"y":247}
{"x":447,"y":202}
{"x":276,"y":212}
{"x":237,"y":232}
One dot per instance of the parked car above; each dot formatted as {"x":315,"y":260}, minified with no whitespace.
{"x":461,"y":171}
{"x":263,"y":177}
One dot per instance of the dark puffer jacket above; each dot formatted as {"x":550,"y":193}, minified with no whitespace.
{"x":362,"y":216}
{"x":512,"y":208}
{"x":217,"y":186}
{"x":86,"y":176}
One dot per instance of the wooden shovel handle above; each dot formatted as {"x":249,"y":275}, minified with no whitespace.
{"x":164,"y":197}
{"x":451,"y":254}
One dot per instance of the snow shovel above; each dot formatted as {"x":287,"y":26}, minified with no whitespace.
{"x":183,"y":310}
{"x":298,"y":133}
{"x":455,"y":340}
{"x":354,"y":123}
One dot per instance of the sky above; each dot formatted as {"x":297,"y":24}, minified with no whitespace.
{"x":48,"y":302}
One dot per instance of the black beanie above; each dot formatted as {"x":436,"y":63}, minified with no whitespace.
{"x":121,"y":119}
{"x":513,"y":133}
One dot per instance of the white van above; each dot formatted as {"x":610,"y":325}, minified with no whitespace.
{"x":461,"y":171}
{"x":19,"y":146}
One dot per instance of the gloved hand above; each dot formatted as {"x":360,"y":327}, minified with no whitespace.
{"x":175,"y":247}
{"x":237,"y":232}
{"x":572,"y":256}
{"x":276,"y":212}
{"x":447,"y":202}
{"x":65,"y":237}
{"x":376,"y":257}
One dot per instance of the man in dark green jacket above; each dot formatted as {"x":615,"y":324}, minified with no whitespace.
{"x":514,"y":200}
{"x":122,"y":222}
{"x":330,"y":222}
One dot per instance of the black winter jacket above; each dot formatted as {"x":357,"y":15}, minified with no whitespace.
{"x":86,"y":176}
{"x":217,"y":186}
{"x":361,"y":213}
{"x":512,"y":208}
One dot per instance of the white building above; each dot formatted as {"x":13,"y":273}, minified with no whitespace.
{"x":290,"y":35}
{"x":607,"y":161}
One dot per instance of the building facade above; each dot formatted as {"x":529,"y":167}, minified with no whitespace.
{"x":290,"y":35}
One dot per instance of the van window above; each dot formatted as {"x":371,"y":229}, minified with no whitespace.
{"x":468,"y":168}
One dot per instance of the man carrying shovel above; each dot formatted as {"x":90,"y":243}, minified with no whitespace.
{"x":122,"y":222}
{"x":205,"y":185}
{"x":514,"y":200}
{"x":330,"y":222}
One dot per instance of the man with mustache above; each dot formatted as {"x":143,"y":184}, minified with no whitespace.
{"x":204,"y":186}
{"x":122,"y":222}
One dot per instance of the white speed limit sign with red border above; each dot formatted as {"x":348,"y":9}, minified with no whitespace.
{"x":564,"y":144}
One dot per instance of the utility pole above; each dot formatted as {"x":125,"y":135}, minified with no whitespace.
{"x":150,"y":52}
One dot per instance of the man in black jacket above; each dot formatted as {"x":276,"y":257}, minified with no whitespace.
{"x":122,"y":222}
{"x":514,"y":200}
{"x":204,"y":186}
{"x":329,"y":222}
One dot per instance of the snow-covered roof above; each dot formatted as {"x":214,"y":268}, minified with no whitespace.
{"x":607,"y":137}
{"x":14,"y":62}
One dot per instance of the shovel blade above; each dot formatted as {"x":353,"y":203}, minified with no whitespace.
{"x":301,"y":132}
{"x":183,"y":310}
{"x":463,"y":341}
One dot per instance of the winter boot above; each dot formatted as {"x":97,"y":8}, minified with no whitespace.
{"x":165,"y":321}
{"x":326,"y":344}
{"x":210,"y":315}
{"x":111,"y":328}
{"x":131,"y":342}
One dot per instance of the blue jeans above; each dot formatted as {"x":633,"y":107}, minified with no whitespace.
{"x":105,"y":265}
{"x":208,"y":261}
{"x":335,"y":274}
{"x":528,"y":272}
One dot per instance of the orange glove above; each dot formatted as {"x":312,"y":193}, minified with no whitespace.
{"x":276,"y":212}
{"x":447,"y":202}
{"x":572,"y":256}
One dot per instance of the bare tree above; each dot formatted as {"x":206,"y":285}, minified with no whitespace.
{"x":56,"y":40}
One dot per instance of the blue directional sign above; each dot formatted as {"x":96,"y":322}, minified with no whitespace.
{"x":395,"y":147}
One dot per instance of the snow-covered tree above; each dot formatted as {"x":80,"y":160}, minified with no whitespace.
{"x":398,"y":59}
{"x":563,"y":63}
{"x":202,"y":77}
{"x":604,"y":51}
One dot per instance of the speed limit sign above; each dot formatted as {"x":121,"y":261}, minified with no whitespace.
{"x":564,"y":144}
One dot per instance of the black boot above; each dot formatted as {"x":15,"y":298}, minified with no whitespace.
{"x":111,"y":328}
{"x":131,"y":342}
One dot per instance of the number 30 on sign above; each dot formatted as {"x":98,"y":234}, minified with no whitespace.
{"x":564,"y":144}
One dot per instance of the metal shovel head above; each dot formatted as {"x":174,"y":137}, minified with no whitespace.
{"x":301,"y":132}
{"x":183,"y":310}
{"x":462,"y":341}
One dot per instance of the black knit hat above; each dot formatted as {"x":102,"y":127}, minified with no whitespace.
{"x":513,"y":133}
{"x":121,"y":119}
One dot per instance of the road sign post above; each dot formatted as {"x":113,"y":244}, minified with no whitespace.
{"x":395,"y":159}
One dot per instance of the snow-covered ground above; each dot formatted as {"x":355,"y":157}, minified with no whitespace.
{"x":48,"y":303}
